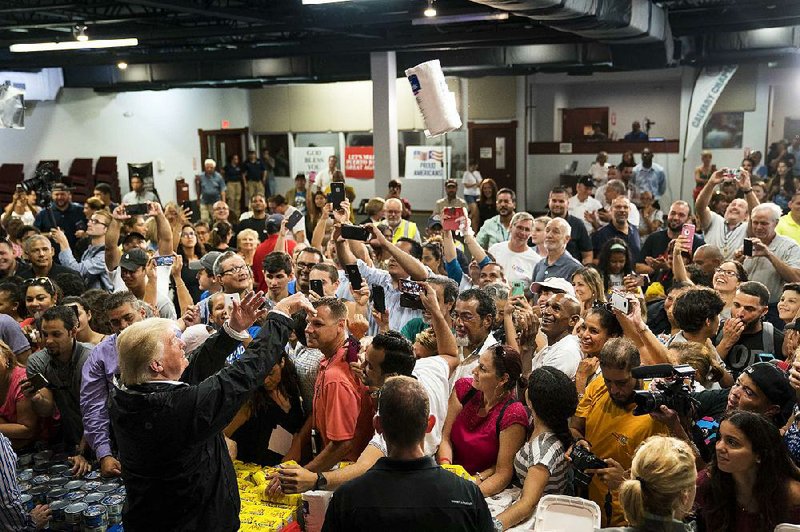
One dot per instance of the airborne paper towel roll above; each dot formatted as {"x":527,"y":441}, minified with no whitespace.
{"x":434,"y":99}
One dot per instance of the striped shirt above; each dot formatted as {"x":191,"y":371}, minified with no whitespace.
{"x":13,"y":516}
{"x":547,"y":450}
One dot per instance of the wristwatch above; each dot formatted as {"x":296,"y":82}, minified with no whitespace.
{"x":321,"y":482}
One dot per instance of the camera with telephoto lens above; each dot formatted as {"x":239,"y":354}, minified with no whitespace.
{"x":674,"y":391}
{"x":583,"y":459}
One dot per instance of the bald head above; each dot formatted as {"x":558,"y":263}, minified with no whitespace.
{"x":708,"y":258}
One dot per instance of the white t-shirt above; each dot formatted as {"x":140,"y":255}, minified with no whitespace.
{"x":599,"y":172}
{"x":471,"y":182}
{"x":577,"y":208}
{"x":516,"y":266}
{"x":433,"y":373}
{"x":564,"y":355}
{"x":718,"y":235}
{"x":322,"y":180}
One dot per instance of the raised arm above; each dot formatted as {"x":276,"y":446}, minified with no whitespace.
{"x":678,"y":264}
{"x":112,"y":251}
{"x":703,"y":199}
{"x":163,"y":229}
{"x":412,"y":266}
{"x":445,"y":341}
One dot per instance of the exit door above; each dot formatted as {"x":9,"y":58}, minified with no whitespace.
{"x":220,"y":144}
{"x":494,"y":148}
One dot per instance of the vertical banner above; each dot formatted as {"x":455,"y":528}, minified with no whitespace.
{"x":707,"y":89}
{"x":311,"y":161}
{"x":426,"y":161}
{"x":359,"y":162}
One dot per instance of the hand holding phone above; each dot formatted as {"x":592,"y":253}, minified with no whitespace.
{"x":517,"y":288}
{"x":747,"y":247}
{"x":452,"y":218}
{"x":294,"y":218}
{"x":137,"y":209}
{"x":354,"y":276}
{"x":316,"y":287}
{"x":378,"y":297}
{"x":36,"y":382}
{"x":337,"y":194}
{"x":164,"y":260}
{"x":355,"y":232}
{"x":688,"y":234}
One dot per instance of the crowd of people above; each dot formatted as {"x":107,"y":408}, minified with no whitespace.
{"x":638,"y":355}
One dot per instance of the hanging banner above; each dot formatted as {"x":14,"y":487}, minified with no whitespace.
{"x":427,"y":161}
{"x":311,"y":161}
{"x":707,"y":89}
{"x":359,"y":162}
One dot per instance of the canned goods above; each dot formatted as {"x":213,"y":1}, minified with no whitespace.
{"x":24,"y":460}
{"x":107,"y":488}
{"x":56,"y":494}
{"x":121,"y":491}
{"x":42,"y":457}
{"x":92,"y":475}
{"x":95,"y":517}
{"x":74,"y":485}
{"x":25,"y":475}
{"x":57,"y":469}
{"x":114,"y":504}
{"x":57,"y":482}
{"x":27,"y":502}
{"x":40,"y":480}
{"x":94,"y":498}
{"x":74,"y":512}
{"x":75,"y":496}
{"x":24,"y":486}
{"x":39,"y":494}
{"x":92,"y":485}
{"x":57,"y":508}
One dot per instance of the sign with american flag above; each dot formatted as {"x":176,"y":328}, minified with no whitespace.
{"x":427,"y":162}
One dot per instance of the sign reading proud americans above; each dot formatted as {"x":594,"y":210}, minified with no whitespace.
{"x":427,"y":162}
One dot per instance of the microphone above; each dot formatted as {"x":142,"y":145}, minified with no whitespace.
{"x":655,"y":371}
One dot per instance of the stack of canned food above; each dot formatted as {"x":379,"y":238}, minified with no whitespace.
{"x":90,"y":504}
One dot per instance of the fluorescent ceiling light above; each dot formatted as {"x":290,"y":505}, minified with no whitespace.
{"x":457,"y":19}
{"x":73,"y":45}
{"x":318,"y":2}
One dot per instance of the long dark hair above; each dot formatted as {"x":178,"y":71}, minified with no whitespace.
{"x":199,"y":249}
{"x":771,"y":489}
{"x":481,"y":198}
{"x":554,"y":399}
{"x":289,"y":386}
{"x":605,"y":256}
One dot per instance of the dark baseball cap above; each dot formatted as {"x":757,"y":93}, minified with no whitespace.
{"x":273,"y":224}
{"x":61,"y":187}
{"x":434,"y":220}
{"x":133,"y":235}
{"x":774,"y":383}
{"x":133,"y":259}
{"x":206,"y":262}
{"x":586,"y":181}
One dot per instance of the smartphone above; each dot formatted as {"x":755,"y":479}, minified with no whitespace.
{"x":356,"y":232}
{"x":38,"y":381}
{"x":747,"y":247}
{"x":378,"y":297}
{"x":517,"y":288}
{"x":641,"y":279}
{"x":187,"y":205}
{"x":451,"y":218}
{"x":620,"y":302}
{"x":230,"y":298}
{"x":316,"y":287}
{"x":354,"y":276}
{"x":165,"y":260}
{"x":688,"y":233}
{"x":337,"y":194}
{"x":295,"y":217}
{"x":137,"y":209}
{"x":409,"y":294}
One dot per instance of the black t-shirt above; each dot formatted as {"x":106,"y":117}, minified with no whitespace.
{"x":745,"y":352}
{"x":705,"y":429}
{"x":579,"y":241}
{"x":259,"y":226}
{"x":657,"y":243}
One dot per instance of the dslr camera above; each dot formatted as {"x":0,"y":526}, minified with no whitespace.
{"x":674,"y":391}
{"x":583,"y":459}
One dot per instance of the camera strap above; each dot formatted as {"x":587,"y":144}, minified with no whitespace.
{"x":608,"y":506}
{"x":471,"y":393}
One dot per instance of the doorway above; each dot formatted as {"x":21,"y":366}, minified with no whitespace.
{"x":220,"y":144}
{"x":494,"y":148}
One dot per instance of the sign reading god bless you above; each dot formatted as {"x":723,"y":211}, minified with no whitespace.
{"x":359,"y":162}
{"x":427,"y":161}
{"x":311,"y":161}
{"x":707,"y":89}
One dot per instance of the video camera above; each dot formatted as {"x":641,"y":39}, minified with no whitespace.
{"x":42,"y":183}
{"x":674,"y":392}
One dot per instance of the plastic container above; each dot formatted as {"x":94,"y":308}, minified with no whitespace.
{"x":27,"y":502}
{"x":57,"y":469}
{"x":114,"y":505}
{"x":56,"y":494}
{"x":94,"y":498}
{"x":560,"y":512}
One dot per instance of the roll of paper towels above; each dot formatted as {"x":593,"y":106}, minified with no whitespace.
{"x":434,"y":99}
{"x":315,"y":504}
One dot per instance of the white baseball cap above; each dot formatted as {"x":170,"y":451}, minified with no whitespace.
{"x":555,"y":284}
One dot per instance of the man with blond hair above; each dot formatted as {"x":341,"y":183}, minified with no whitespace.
{"x":175,"y":463}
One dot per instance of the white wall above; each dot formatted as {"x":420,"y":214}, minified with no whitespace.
{"x":133,"y":126}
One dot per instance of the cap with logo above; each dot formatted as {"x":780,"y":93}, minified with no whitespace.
{"x":133,"y":259}
{"x":774,"y":383}
{"x":206,"y":262}
{"x":434,"y":220}
{"x":586,"y":181}
{"x":450,"y":183}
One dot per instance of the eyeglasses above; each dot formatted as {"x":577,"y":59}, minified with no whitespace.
{"x":96,"y":221}
{"x":187,"y":235}
{"x":235,"y":270}
{"x":729,"y":273}
{"x":306,"y":265}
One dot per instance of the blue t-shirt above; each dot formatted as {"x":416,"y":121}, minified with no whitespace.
{"x":211,"y":188}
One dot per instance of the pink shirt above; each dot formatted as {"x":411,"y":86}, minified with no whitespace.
{"x":8,"y":410}
{"x":474,"y":438}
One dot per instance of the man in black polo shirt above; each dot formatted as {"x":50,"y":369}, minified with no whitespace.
{"x":66,"y":214}
{"x":420,"y":492}
{"x":619,"y":228}
{"x":654,"y":250}
{"x":579,"y":245}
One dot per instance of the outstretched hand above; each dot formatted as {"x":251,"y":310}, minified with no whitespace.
{"x":245,"y":312}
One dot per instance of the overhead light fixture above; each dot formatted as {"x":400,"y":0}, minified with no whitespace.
{"x":319,"y":2}
{"x":459,"y":19}
{"x":72,"y":45}
{"x":79,"y":32}
{"x":122,"y":65}
{"x":430,"y":11}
